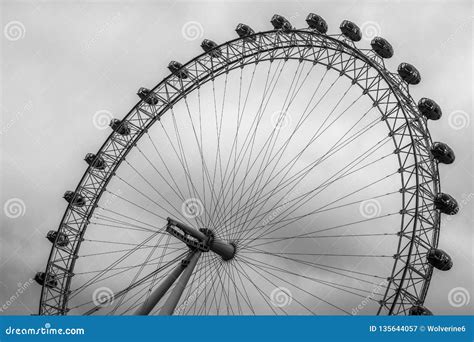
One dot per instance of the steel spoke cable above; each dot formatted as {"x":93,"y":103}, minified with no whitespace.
{"x":321,"y":210}
{"x":298,"y":176}
{"x":318,"y":210}
{"x":122,"y":215}
{"x":240,"y":114}
{"x":328,"y":182}
{"x":263,"y":295}
{"x":318,"y":280}
{"x":271,"y":240}
{"x":137,"y":274}
{"x":250,"y":138}
{"x":140,"y":296}
{"x":176,"y":189}
{"x":122,"y":292}
{"x":201,"y":277}
{"x":143,"y":281}
{"x":116,"y":262}
{"x":189,"y":180}
{"x":154,"y":188}
{"x":106,"y":225}
{"x":149,"y":198}
{"x":218,"y":132}
{"x":353,"y":223}
{"x":301,"y":173}
{"x":335,"y":201}
{"x":244,"y":180}
{"x":121,"y":270}
{"x":252,"y":250}
{"x":235,"y":161}
{"x":126,"y":267}
{"x":253,"y":267}
{"x":183,"y":166}
{"x":268,"y":146}
{"x":104,"y":221}
{"x":225,"y":174}
{"x":266,"y":267}
{"x":324,"y":267}
{"x":314,"y":94}
{"x":246,"y":298}
{"x":134,"y":204}
{"x":153,"y":281}
{"x":323,"y":186}
{"x":205,"y":169}
{"x":268,"y":89}
{"x":315,"y":137}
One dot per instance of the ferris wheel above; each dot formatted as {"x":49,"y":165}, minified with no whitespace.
{"x":282,"y":172}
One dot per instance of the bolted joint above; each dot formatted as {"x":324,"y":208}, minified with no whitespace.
{"x":203,"y":239}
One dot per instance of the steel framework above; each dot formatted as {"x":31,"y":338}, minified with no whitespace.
{"x":420,"y":182}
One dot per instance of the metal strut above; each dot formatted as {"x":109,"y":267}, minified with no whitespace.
{"x":173,"y":299}
{"x":161,"y":290}
{"x":202,"y":240}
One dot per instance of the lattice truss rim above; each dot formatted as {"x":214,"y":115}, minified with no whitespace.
{"x":419,"y":231}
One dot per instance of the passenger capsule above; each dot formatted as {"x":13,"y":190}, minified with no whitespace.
{"x":409,"y":73}
{"x":178,"y":70}
{"x":279,"y":22}
{"x":97,"y":162}
{"x":244,"y":31}
{"x":419,"y":310}
{"x":429,"y":109}
{"x":382,"y":47}
{"x":73,"y":199}
{"x":446,"y":204}
{"x":60,"y":238}
{"x":439,"y":259}
{"x":48,"y":280}
{"x":148,"y":96}
{"x":120,"y":126}
{"x":211,"y":48}
{"x":351,"y":30}
{"x":442,"y":153}
{"x":317,"y":23}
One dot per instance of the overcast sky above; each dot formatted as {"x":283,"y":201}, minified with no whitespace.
{"x":61,"y":62}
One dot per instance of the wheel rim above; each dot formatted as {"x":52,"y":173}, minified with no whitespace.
{"x":404,"y":287}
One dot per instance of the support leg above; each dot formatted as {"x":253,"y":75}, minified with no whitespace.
{"x":161,"y":290}
{"x":170,"y":305}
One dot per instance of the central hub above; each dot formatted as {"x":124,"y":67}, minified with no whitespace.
{"x":208,"y":232}
{"x":202,"y":239}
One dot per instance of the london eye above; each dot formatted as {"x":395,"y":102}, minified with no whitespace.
{"x":284,"y":172}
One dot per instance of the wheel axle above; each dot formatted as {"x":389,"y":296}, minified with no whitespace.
{"x":202,"y":239}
